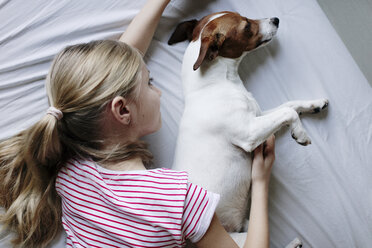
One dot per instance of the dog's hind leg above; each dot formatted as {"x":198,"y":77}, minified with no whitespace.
{"x":250,"y":133}
{"x":240,"y":238}
{"x":296,"y":243}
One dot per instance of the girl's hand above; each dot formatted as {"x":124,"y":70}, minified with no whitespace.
{"x":142,"y":28}
{"x":263,"y":159}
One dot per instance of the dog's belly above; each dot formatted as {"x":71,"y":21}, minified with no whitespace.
{"x":216,"y":165}
{"x":205,"y":149}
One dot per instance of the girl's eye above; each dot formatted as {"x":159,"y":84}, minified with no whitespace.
{"x":150,"y":81}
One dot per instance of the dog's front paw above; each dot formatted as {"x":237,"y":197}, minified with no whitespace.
{"x":296,"y":243}
{"x":300,"y":136}
{"x":312,"y":106}
{"x":320,"y":105}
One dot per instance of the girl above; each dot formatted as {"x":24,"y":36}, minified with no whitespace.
{"x":82,"y":166}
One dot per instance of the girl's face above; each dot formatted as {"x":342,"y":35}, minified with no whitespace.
{"x":148,"y":117}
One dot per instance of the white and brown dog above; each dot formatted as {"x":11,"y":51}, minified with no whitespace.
{"x":222,"y":122}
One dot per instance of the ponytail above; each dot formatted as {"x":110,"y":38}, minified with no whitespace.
{"x":29,"y":163}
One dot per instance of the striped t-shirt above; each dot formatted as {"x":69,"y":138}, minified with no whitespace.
{"x":149,"y":208}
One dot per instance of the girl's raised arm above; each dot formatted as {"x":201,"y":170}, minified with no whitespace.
{"x":142,"y":28}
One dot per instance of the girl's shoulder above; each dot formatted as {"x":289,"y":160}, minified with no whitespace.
{"x":88,"y":165}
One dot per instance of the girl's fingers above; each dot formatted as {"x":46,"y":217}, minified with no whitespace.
{"x":269,"y":147}
{"x":258,"y":154}
{"x":258,"y":150}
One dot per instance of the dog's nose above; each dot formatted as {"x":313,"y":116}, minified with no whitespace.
{"x":275,"y":21}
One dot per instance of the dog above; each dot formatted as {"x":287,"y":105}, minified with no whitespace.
{"x":222,"y":123}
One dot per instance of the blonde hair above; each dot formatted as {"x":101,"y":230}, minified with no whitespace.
{"x":82,"y":80}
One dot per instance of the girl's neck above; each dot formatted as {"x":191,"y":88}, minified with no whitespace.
{"x":127,"y":165}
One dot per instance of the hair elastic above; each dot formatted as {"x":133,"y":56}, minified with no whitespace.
{"x":55,"y":112}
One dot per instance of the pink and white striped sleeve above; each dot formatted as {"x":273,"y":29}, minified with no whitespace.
{"x":199,"y":209}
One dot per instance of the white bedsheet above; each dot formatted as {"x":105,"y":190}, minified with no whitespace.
{"x":321,"y":193}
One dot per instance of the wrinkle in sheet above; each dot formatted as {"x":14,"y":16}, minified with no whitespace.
{"x":303,"y":214}
{"x":3,"y":3}
{"x":44,"y":15}
{"x":25,"y":63}
{"x":19,"y":82}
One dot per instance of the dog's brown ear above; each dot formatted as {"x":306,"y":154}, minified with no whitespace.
{"x":183,"y":32}
{"x":209,"y":48}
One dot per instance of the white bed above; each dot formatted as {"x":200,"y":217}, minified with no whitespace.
{"x":321,"y":193}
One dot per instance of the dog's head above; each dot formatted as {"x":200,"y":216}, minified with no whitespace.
{"x":225,"y":34}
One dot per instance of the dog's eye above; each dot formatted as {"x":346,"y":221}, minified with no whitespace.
{"x":247,"y":30}
{"x":214,"y":47}
{"x":150,"y":81}
{"x":247,"y":27}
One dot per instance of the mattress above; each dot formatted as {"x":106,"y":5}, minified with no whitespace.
{"x":321,"y":193}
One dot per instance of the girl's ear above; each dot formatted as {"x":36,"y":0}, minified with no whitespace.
{"x":121,"y":110}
